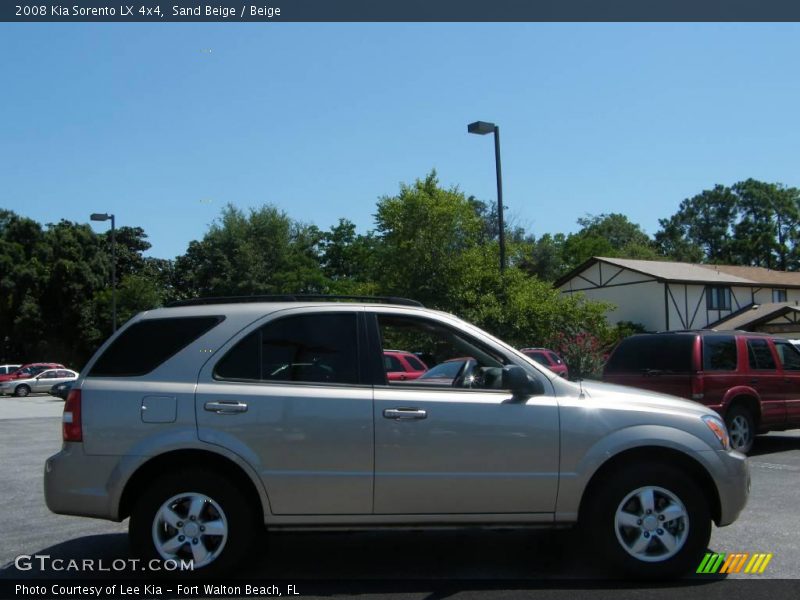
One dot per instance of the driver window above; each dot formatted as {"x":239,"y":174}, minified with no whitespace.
{"x":452,"y":359}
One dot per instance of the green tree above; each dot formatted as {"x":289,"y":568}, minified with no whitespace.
{"x":766,"y":234}
{"x":545,"y":258}
{"x":263,"y":252}
{"x":751,"y":223}
{"x":347,"y":259}
{"x":432,"y":247}
{"x":610,"y":235}
{"x":423,"y":235}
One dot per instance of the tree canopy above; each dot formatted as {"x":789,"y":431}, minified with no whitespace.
{"x":430,"y":243}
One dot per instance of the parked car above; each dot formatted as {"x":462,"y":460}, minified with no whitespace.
{"x":180,"y":422}
{"x":6,"y":369}
{"x":751,"y":379}
{"x":39,"y":383}
{"x":549,"y":359}
{"x":444,"y":373}
{"x":61,"y":390}
{"x":402,"y":366}
{"x":30,"y":370}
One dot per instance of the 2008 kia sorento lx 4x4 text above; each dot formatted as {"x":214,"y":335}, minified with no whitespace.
{"x":205,"y":420}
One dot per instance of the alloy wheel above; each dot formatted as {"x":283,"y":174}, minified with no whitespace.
{"x":651,"y":524}
{"x":190,"y":526}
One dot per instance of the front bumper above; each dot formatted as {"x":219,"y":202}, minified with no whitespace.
{"x":732,"y":477}
{"x":77,"y":484}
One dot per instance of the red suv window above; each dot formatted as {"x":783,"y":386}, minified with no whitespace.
{"x":760,"y":355}
{"x":719,"y":353}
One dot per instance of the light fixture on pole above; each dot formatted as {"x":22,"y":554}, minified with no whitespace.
{"x":482,"y":128}
{"x":107,"y":217}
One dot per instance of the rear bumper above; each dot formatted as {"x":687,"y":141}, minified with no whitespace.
{"x":76,"y":484}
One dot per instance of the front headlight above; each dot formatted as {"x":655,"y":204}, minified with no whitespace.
{"x":719,"y":430}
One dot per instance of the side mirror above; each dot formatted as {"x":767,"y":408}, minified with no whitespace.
{"x":522,"y":385}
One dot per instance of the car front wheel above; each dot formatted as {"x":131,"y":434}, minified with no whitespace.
{"x":196,"y":516}
{"x":21,"y":391}
{"x":648,"y":520}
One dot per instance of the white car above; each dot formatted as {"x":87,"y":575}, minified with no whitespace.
{"x":41,"y":383}
{"x":6,"y":369}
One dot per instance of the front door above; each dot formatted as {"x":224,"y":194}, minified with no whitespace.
{"x":790,"y":362}
{"x":461,"y":446}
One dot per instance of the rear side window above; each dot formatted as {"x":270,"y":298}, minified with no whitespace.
{"x":146,"y":344}
{"x":391,"y":363}
{"x":640,"y":353}
{"x":415,"y":363}
{"x":789,"y":356}
{"x":305,"y":348}
{"x":760,"y":355}
{"x":539,"y":358}
{"x":719,"y":353}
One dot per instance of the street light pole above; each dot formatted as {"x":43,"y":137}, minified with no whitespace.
{"x":107,"y":217}
{"x":482,"y":128}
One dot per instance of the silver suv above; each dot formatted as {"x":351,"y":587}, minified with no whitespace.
{"x":209,"y":419}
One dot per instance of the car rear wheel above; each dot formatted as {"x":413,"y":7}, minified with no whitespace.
{"x":194,"y":516}
{"x":648,"y":520}
{"x":22,"y":390}
{"x":741,"y":428}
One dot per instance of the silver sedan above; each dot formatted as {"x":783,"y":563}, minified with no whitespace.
{"x":41,"y":383}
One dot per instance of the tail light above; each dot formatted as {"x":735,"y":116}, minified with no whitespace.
{"x":71,"y":420}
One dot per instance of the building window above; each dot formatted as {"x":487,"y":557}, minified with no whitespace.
{"x":779,"y":295}
{"x":718,"y":297}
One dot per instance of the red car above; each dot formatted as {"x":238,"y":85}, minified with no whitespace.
{"x":401,"y":365}
{"x":549,"y":359}
{"x":751,"y":379}
{"x":30,"y":370}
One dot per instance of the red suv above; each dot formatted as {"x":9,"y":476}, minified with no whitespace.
{"x":30,"y":370}
{"x":549,"y":359}
{"x":401,"y":365}
{"x":751,"y":379}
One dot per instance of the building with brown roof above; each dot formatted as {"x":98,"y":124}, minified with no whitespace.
{"x":663,"y":295}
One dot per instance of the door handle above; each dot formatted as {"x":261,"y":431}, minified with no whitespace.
{"x":225,"y":407}
{"x":404,"y":414}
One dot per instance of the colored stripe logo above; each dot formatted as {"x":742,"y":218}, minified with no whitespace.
{"x":735,"y":562}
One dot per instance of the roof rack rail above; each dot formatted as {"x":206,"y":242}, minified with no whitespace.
{"x":293,"y":298}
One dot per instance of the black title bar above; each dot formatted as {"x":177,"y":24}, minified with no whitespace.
{"x":232,"y":11}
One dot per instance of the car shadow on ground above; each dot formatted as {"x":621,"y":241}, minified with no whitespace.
{"x":775,"y":443}
{"x":437,"y":562}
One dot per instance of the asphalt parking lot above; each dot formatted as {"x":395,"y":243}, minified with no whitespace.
{"x":30,"y":431}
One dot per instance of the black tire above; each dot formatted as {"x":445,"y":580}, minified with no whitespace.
{"x":235,"y":510}
{"x":742,"y":428}
{"x":612,"y":542}
{"x":21,"y":391}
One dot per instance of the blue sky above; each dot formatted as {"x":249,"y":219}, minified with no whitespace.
{"x":165,"y":124}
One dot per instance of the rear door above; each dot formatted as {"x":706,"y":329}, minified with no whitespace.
{"x":288,"y":397}
{"x":395,"y":370}
{"x":789,"y":358}
{"x":767,"y":379}
{"x":44,"y":381}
